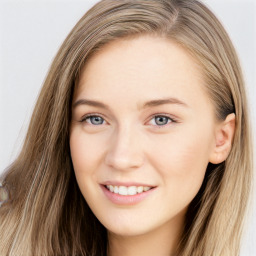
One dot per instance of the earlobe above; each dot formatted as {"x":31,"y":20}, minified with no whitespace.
{"x":223,"y":139}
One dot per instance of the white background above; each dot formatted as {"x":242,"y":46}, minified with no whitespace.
{"x":30,"y":35}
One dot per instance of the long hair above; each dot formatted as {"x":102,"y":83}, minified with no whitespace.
{"x":46,"y":213}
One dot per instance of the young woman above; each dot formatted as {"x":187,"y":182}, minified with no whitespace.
{"x":139,"y":143}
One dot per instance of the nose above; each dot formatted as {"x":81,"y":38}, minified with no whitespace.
{"x":125,"y":150}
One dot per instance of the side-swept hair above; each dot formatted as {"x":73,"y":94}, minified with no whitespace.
{"x":47,"y":215}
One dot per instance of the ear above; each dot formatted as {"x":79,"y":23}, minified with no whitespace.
{"x":223,"y":139}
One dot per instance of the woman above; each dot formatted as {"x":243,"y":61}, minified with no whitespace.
{"x":139,"y":143}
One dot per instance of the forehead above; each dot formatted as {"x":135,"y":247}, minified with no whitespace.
{"x":145,"y":66}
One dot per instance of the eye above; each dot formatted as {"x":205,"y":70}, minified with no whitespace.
{"x":161,"y":120}
{"x":94,"y":120}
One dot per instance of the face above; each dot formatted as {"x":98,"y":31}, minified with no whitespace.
{"x":142,"y":134}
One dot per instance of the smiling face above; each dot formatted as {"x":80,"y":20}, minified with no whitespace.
{"x":141,"y":121}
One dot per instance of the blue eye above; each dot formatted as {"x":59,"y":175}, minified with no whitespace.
{"x":94,"y":120}
{"x":160,"y":120}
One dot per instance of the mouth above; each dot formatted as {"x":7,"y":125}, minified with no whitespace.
{"x":127,"y":190}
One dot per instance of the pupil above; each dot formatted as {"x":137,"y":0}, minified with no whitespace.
{"x":96,"y":120}
{"x":161,"y":120}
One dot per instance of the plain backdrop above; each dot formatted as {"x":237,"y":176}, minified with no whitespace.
{"x":30,"y":35}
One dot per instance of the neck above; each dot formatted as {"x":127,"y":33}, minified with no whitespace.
{"x":162,"y":242}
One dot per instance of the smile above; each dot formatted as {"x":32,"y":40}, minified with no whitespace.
{"x":124,"y":191}
{"x":127,"y":195}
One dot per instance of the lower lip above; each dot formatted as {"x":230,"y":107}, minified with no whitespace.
{"x":126,"y":200}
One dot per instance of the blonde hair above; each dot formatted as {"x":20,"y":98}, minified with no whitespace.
{"x":46,"y":213}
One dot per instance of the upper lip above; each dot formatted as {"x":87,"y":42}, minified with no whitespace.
{"x":126,"y":184}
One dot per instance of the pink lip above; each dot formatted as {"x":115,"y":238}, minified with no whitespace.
{"x":126,"y":200}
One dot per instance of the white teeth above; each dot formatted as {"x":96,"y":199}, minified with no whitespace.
{"x":139,"y":189}
{"x":116,"y":189}
{"x":132,"y":190}
{"x":146,"y":189}
{"x":110,"y":187}
{"x":123,"y":190}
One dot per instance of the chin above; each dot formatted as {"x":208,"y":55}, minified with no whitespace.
{"x":127,"y":231}
{"x":129,"y":226}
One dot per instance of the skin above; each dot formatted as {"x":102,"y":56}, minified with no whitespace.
{"x":131,"y":145}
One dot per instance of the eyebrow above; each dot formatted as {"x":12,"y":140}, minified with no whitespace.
{"x":155,"y":103}
{"x":152,"y":103}
{"x":90,"y":103}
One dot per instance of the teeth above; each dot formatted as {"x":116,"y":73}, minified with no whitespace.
{"x":146,"y":189}
{"x":132,"y":190}
{"x":123,"y":190}
{"x":116,"y":190}
{"x":140,"y":189}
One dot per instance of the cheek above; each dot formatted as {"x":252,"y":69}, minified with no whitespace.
{"x":182,"y":153}
{"x":86,"y":153}
{"x":181,"y":159}
{"x":192,"y":155}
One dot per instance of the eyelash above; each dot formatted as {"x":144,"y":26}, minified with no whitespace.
{"x":170,"y":119}
{"x":90,"y":115}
